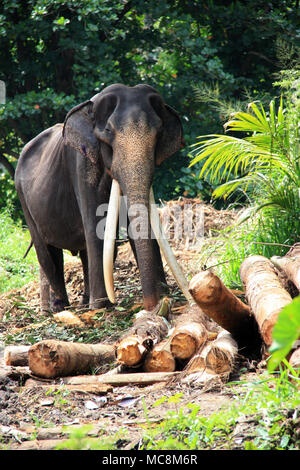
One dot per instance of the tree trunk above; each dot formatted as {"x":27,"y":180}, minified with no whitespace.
{"x":51,"y":358}
{"x":160,"y":359}
{"x":147,"y":330}
{"x":221,"y":354}
{"x":227,"y":310}
{"x":188,"y":336}
{"x":264,"y":292}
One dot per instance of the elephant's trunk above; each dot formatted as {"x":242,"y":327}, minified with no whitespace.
{"x":139,"y":230}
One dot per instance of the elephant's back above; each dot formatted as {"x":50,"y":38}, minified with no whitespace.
{"x":37,"y":154}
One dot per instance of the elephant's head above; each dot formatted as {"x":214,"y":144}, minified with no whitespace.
{"x":128,"y":131}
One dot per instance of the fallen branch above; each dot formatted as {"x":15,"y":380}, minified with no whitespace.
{"x":147,"y":330}
{"x":227,"y":310}
{"x":51,"y":358}
{"x":264,"y":292}
{"x":160,"y":359}
{"x":95,"y":388}
{"x":188,"y":336}
{"x":138,"y":378}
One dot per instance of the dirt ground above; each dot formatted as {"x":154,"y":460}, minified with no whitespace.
{"x":33,"y":416}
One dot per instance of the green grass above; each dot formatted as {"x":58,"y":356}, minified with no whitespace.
{"x":14,"y":241}
{"x":266,"y":233}
{"x":263,"y":416}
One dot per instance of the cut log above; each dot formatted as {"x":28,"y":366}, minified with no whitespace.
{"x":147,"y":330}
{"x":265,"y":294}
{"x":220,"y":355}
{"x":160,"y":359}
{"x":188,"y":336}
{"x":227,"y":310}
{"x":16,"y":355}
{"x":51,"y":358}
{"x":294,"y":360}
{"x":290,"y":266}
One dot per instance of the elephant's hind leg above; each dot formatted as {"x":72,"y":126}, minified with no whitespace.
{"x":60,"y":298}
{"x":50,"y":260}
{"x":86,"y":293}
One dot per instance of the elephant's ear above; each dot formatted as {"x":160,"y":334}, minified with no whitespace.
{"x":78,"y":131}
{"x":171,"y":138}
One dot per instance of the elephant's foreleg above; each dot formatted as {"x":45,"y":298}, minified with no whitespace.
{"x":97,"y":291}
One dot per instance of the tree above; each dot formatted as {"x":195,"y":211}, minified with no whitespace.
{"x":55,"y":54}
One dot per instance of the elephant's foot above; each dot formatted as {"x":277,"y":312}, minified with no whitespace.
{"x":100,"y":303}
{"x":58,"y":305}
{"x":84,"y":301}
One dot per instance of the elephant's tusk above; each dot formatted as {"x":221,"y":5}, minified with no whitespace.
{"x":166,"y":249}
{"x":110,"y":239}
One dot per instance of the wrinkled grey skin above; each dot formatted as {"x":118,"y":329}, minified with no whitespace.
{"x":65,"y":173}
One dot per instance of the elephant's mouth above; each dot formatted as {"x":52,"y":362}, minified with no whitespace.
{"x":110,"y":237}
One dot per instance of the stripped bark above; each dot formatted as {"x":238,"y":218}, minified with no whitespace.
{"x":264,"y":292}
{"x":51,"y":358}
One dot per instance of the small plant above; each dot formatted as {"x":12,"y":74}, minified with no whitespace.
{"x":82,"y":438}
{"x":262,"y":417}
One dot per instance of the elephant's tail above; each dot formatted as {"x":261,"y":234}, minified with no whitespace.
{"x":28,"y":249}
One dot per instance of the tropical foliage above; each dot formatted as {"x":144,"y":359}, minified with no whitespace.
{"x":265,"y":161}
{"x":57,"y":53}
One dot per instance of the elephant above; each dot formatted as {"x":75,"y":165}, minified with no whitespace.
{"x":107,"y":147}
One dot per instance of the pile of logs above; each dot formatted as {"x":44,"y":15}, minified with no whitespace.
{"x":204,"y":341}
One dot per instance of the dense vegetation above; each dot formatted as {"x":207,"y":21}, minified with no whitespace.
{"x":216,"y":62}
{"x":55,"y":54}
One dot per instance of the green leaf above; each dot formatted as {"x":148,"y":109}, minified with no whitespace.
{"x":286,"y":331}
